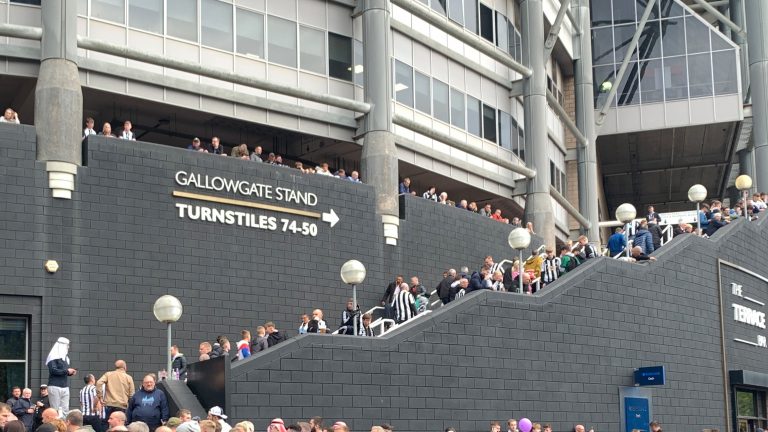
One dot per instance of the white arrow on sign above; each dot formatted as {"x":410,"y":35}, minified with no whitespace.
{"x":331,"y":218}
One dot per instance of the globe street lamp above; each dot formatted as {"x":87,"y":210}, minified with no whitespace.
{"x":353,"y":273}
{"x":519,"y":239}
{"x":168,"y":309}
{"x":744,"y":183}
{"x":625,"y":214}
{"x":697,"y":193}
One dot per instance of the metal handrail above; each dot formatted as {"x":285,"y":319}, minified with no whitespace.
{"x":396,"y":326}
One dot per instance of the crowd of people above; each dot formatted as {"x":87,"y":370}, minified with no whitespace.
{"x":215,"y":147}
{"x":404,"y":188}
{"x":648,"y":233}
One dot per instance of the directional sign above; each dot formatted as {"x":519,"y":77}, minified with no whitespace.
{"x":331,"y":218}
{"x":654,"y":375}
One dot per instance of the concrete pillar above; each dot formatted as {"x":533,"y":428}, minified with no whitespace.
{"x":745,"y":162}
{"x":585,"y":120}
{"x":59,"y":98}
{"x":538,"y":203}
{"x":757,"y":38}
{"x":736,"y":13}
{"x":379,"y":156}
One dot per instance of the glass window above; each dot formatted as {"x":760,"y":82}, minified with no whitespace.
{"x":640,"y":8}
{"x":602,"y":46}
{"x":27,"y":2}
{"x":358,"y":68}
{"x":675,"y":78}
{"x":470,"y":15}
{"x":600,"y":75}
{"x":473,"y":116}
{"x":216,"y":29}
{"x":670,"y":8}
{"x":651,"y":81}
{"x":562,"y":183}
{"x":745,"y":404}
{"x":82,"y":7}
{"x":439,"y":6}
{"x":489,"y":123}
{"x":13,"y":354}
{"x":623,"y":35}
{"x":501,"y":32}
{"x":456,"y":11}
{"x":312,"y":50}
{"x":700,"y":75}
{"x":110,"y":10}
{"x":623,"y":12}
{"x":513,"y":137}
{"x":182,"y":19}
{"x":340,"y":57}
{"x":673,"y":37}
{"x":457,"y":108}
{"x":718,"y":41}
{"x":403,"y":83}
{"x":521,"y":142}
{"x":146,"y":15}
{"x":697,"y":35}
{"x":628,"y":91}
{"x":250,"y":33}
{"x":423,"y":93}
{"x":486,"y":23}
{"x":725,"y":72}
{"x":552,"y":174}
{"x":440,"y":104}
{"x":600,"y":11}
{"x":505,"y":129}
{"x":281,"y":41}
{"x":650,"y":41}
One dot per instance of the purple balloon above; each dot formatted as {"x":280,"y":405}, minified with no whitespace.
{"x":524,"y":425}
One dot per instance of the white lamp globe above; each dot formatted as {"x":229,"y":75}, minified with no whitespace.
{"x":167,"y":309}
{"x":626,"y":213}
{"x":519,"y":238}
{"x":353,"y":272}
{"x":743,"y":182}
{"x":697,"y":193}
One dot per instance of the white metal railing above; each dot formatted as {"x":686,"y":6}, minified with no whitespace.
{"x":370,"y":311}
{"x":396,"y":326}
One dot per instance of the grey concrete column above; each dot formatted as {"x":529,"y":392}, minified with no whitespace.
{"x":746,"y":164}
{"x":58,"y":97}
{"x":585,"y":120}
{"x":757,"y":38}
{"x":379,"y":156}
{"x":538,"y":203}
{"x":736,"y":12}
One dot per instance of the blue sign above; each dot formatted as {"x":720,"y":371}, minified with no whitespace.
{"x":654,"y":375}
{"x":636,"y":416}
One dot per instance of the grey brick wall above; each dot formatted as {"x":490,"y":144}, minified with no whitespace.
{"x":556,"y":357}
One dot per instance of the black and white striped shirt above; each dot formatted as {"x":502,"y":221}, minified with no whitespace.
{"x":88,"y":401}
{"x":550,"y":269}
{"x":405,"y":306}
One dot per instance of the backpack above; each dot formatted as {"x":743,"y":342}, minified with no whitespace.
{"x":572,"y":263}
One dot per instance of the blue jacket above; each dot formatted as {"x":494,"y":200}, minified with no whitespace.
{"x":703,"y":220}
{"x":616,"y":244}
{"x":644,"y":239}
{"x":148,"y":407}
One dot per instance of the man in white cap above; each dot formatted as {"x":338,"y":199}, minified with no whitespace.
{"x":217,"y":414}
{"x":58,"y":376}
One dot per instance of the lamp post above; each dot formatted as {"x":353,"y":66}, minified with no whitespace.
{"x":353,"y":273}
{"x":519,"y":239}
{"x":168,"y":309}
{"x":697,"y":193}
{"x":625,"y":214}
{"x":744,"y":183}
